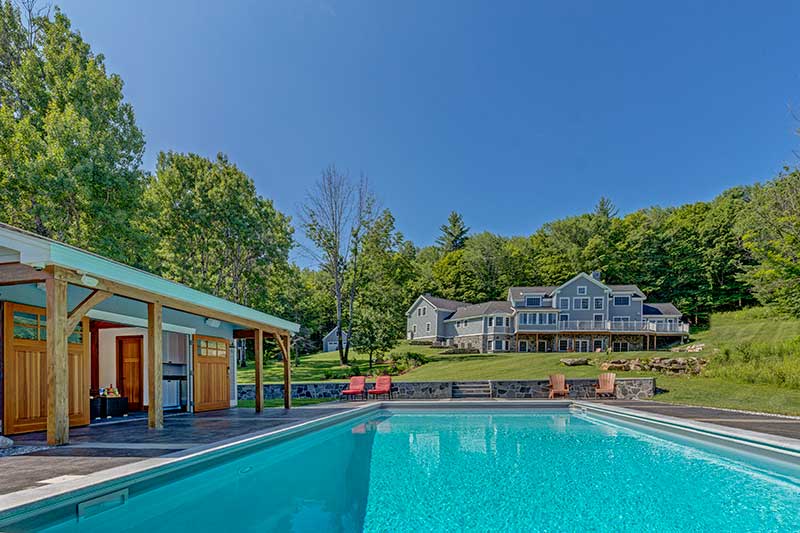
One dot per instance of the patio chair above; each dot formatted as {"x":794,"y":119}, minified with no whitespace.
{"x":558,"y":386}
{"x":605,"y":384}
{"x":383,"y":385}
{"x":356,"y":387}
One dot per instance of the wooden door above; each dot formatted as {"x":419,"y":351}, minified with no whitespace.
{"x":211,"y":362}
{"x":25,"y":370}
{"x":130,"y":370}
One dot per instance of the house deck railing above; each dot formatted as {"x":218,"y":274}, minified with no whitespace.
{"x":626,"y":326}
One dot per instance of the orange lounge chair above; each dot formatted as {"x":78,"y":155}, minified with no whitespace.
{"x":605,"y":384}
{"x":356,"y":388}
{"x":383,"y":385}
{"x":558,"y":386}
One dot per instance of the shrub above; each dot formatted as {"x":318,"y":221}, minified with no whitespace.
{"x":419,"y":343}
{"x":774,"y":364}
{"x":460,"y":350}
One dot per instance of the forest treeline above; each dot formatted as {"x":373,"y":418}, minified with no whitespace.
{"x":71,"y":169}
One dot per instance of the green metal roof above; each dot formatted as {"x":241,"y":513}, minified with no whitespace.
{"x":36,"y":250}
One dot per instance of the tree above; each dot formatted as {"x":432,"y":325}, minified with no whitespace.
{"x":770,"y":230}
{"x":374,"y":333}
{"x":333,"y":217}
{"x":210,"y":229}
{"x":363,"y":218}
{"x":70,"y":150}
{"x":454,"y":233}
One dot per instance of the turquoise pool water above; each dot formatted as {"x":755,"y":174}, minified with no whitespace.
{"x":470,"y":471}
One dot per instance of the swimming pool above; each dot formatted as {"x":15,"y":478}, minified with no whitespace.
{"x":467,"y":470}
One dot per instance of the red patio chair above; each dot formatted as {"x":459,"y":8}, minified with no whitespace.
{"x":356,"y":388}
{"x":383,"y":385}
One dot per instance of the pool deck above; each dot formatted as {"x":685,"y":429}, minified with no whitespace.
{"x":100,"y":447}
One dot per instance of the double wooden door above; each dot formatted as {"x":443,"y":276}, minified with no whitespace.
{"x":25,"y":370}
{"x":211,"y":362}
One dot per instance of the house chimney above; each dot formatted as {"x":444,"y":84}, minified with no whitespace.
{"x":596,"y":275}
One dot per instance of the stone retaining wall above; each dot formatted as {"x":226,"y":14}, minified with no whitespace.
{"x":627,"y":389}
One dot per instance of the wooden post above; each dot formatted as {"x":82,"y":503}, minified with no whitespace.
{"x":155,"y":358}
{"x":287,"y":373}
{"x":57,"y":363}
{"x":537,"y":343}
{"x":258,"y":348}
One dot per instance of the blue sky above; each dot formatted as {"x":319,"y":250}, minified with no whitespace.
{"x":513,"y":113}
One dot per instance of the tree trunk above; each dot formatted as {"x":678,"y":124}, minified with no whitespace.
{"x":338,"y":290}
{"x":350,"y":306}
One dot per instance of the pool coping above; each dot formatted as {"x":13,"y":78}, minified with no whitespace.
{"x":32,"y":502}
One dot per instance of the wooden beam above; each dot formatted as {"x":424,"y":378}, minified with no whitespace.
{"x":258,"y":348}
{"x":285,"y":345}
{"x":77,"y":314}
{"x":148,"y":297}
{"x":17,"y":273}
{"x":57,"y":363}
{"x":155,"y":359}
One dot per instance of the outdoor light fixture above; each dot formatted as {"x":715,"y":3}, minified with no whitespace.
{"x":89,"y":280}
{"x":212,"y":322}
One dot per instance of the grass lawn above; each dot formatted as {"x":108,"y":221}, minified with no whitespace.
{"x":278,"y":402}
{"x":750,"y":325}
{"x":727,"y":329}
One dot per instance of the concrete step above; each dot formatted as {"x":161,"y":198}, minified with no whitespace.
{"x":472,"y":389}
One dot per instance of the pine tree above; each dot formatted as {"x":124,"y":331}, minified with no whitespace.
{"x":454,"y":233}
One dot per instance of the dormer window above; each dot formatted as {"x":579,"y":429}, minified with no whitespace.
{"x":533,"y":301}
{"x":582,"y":290}
{"x":622,"y":301}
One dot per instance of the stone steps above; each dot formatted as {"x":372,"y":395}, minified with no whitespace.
{"x":472,"y":389}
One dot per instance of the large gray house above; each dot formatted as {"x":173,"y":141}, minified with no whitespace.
{"x":582,"y":315}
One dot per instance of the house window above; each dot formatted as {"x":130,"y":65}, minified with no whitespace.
{"x":212,"y":348}
{"x":620,"y":346}
{"x":551,"y":318}
{"x":424,"y":311}
{"x":491,"y":321}
{"x":622,"y":301}
{"x":498,"y":345}
{"x":598,"y":317}
{"x":580,"y":303}
{"x":533,"y":301}
{"x":507,"y":322}
{"x":621,"y":319}
{"x":598,"y":345}
{"x":523,"y":346}
{"x":563,"y":345}
{"x":563,"y":317}
{"x":523,"y":319}
{"x":563,"y":303}
{"x":427,"y":326}
{"x":598,"y":302}
{"x":582,"y":290}
{"x":413,"y":328}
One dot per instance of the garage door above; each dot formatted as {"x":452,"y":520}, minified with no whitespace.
{"x":25,"y":370}
{"x":211,"y":368}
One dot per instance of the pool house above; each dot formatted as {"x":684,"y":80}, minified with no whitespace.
{"x":85,"y":337}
